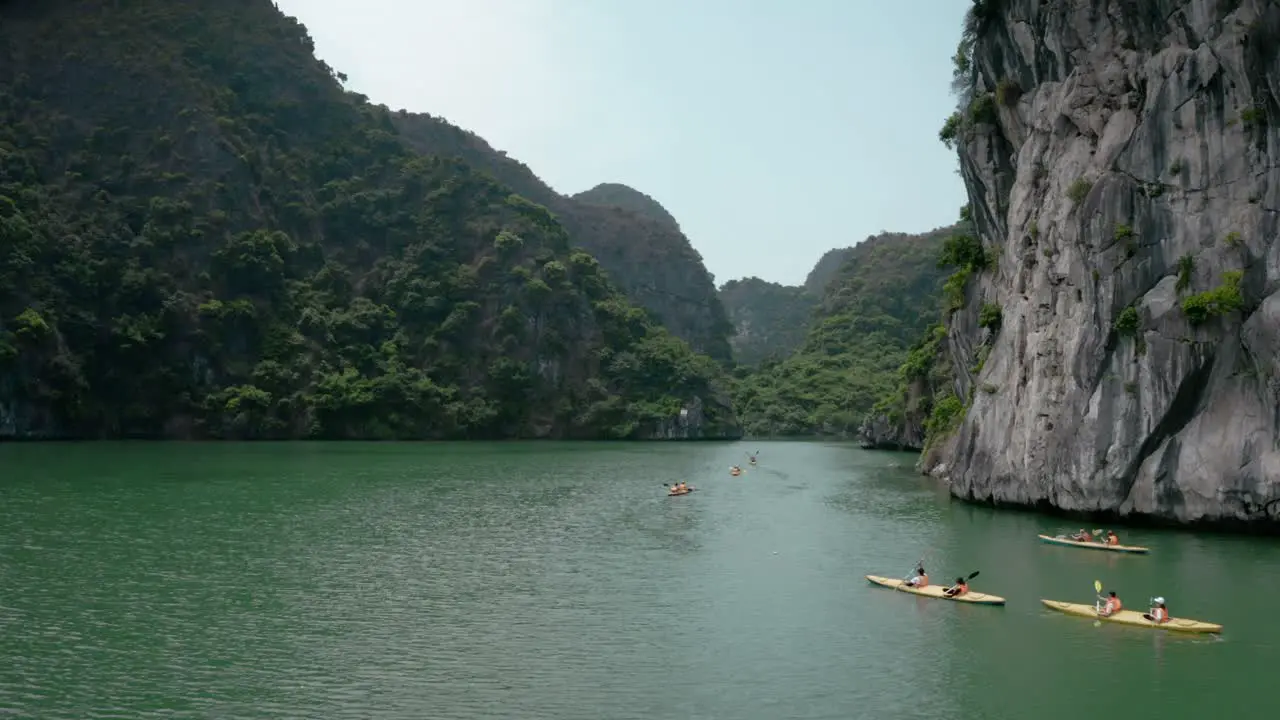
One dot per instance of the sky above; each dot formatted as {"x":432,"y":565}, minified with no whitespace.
{"x":773,"y":130}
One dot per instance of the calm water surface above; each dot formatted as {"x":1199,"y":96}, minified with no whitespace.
{"x":558,"y":581}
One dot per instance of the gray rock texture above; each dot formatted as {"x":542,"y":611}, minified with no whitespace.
{"x":1130,"y":135}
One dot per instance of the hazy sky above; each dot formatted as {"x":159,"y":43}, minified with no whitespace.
{"x":774,"y":130}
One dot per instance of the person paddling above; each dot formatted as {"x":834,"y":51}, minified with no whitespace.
{"x":1112,"y":539}
{"x":1112,"y":607}
{"x":961,"y":587}
{"x":1159,"y":613}
{"x":1082,"y":536}
{"x":920,"y":580}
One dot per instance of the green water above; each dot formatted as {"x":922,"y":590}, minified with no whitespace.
{"x":558,"y":581}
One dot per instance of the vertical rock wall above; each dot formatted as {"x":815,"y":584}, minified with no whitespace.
{"x":1133,"y":162}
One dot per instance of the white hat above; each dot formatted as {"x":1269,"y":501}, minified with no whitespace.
{"x":1158,"y":601}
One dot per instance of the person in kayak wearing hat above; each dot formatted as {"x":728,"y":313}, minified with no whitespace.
{"x":1112,"y":539}
{"x":1113,"y":605}
{"x":1159,"y":613}
{"x":1082,"y":536}
{"x":961,"y":587}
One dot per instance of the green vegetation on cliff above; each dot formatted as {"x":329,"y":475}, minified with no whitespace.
{"x":620,"y":196}
{"x":923,"y":406}
{"x":880,"y":301}
{"x":635,"y":239}
{"x":770,"y":320}
{"x":201,"y":234}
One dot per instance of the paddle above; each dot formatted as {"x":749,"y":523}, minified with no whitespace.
{"x":1097,"y":606}
{"x":913,"y":568}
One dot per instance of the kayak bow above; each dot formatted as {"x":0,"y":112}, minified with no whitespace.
{"x":1129,"y":617}
{"x":935,"y":591}
{"x":1094,"y":545}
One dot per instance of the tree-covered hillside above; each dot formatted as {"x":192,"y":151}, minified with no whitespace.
{"x":880,"y":302}
{"x":201,"y":234}
{"x":825,"y":269}
{"x":635,"y":239}
{"x":629,"y":199}
{"x":769,"y":320}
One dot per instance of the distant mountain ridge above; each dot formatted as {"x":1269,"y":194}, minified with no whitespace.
{"x":876,"y":304}
{"x":769,"y":320}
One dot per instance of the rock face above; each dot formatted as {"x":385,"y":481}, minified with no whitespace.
{"x":1129,"y":158}
{"x":637,"y":241}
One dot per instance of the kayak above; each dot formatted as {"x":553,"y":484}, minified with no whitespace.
{"x":1129,"y":617}
{"x":678,"y":494}
{"x":935,"y":591}
{"x":1093,"y":545}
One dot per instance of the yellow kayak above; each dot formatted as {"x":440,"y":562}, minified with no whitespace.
{"x":935,"y":591}
{"x":1093,"y":545}
{"x":1129,"y":617}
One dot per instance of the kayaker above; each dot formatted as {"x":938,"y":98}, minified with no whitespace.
{"x":961,"y":587}
{"x":1111,"y":538}
{"x":1082,"y":536}
{"x":1159,"y":613}
{"x":1113,"y":605}
{"x":920,"y":580}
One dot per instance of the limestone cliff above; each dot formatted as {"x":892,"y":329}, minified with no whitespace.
{"x":1122,"y":161}
{"x":635,"y":239}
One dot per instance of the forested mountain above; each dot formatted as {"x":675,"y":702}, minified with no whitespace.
{"x":879,"y":302}
{"x":825,"y":269}
{"x":769,"y":320}
{"x":635,"y":239}
{"x":629,"y":199}
{"x":201,"y":234}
